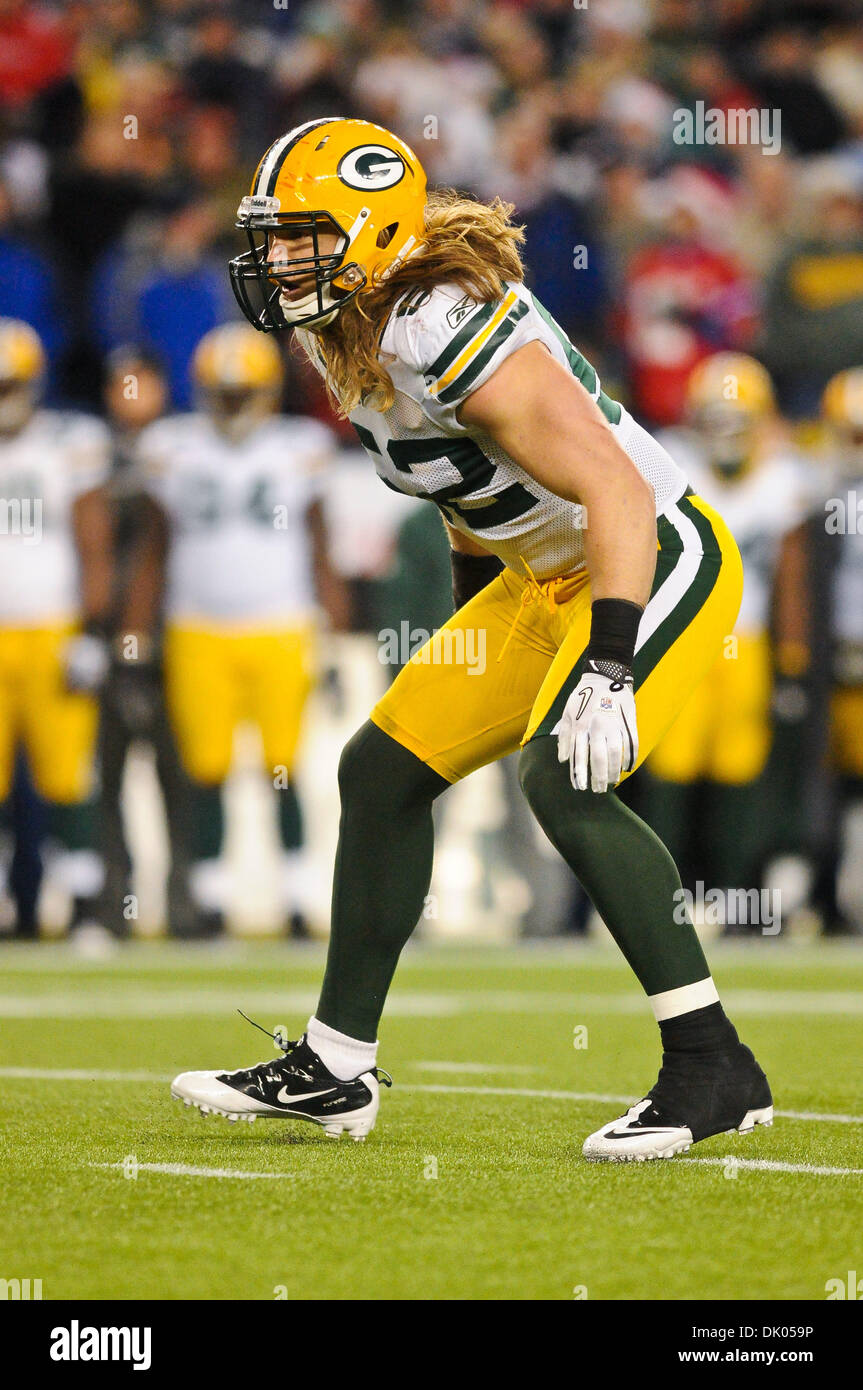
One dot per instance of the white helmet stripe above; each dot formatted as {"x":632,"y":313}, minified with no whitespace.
{"x":276,"y":154}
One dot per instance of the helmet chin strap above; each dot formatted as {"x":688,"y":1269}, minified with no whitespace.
{"x":294,"y":309}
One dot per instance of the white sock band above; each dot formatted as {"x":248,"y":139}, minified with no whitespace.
{"x":345,"y":1057}
{"x":672,"y":1002}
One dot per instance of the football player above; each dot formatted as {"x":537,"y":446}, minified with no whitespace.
{"x":132,"y":701}
{"x":735,"y":457}
{"x":823,"y":627}
{"x":240,"y":491}
{"x":599,"y":584}
{"x":55,"y":589}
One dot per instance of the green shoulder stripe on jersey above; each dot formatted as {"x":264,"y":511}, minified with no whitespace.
{"x":581,"y":368}
{"x":366,"y":438}
{"x":413,"y":300}
{"x":468,"y":330}
{"x":459,"y":385}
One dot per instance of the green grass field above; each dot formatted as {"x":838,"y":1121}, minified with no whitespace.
{"x":490,"y":1094}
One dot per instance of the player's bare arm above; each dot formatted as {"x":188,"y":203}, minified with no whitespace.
{"x":329,"y":585}
{"x":545,"y":419}
{"x":548,"y":423}
{"x":92,"y":527}
{"x":87,"y":658}
{"x":147,"y":581}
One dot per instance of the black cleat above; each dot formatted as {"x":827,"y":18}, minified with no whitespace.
{"x":296,"y":1086}
{"x":695,"y":1096}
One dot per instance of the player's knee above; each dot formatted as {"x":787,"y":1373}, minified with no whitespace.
{"x":376,"y":769}
{"x":551,"y":796}
{"x":539,"y":775}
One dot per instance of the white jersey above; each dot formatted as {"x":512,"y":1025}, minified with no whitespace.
{"x":441,"y":345}
{"x":55,"y":458}
{"x":759,"y":508}
{"x":240,"y":550}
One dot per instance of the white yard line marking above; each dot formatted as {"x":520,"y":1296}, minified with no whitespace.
{"x":184,"y":1170}
{"x":112,"y":1001}
{"x":434,"y":1088}
{"x":477,"y":1068}
{"x":78,"y":1074}
{"x":604,"y":1099}
{"x":162,"y":956}
{"x":770,"y":1165}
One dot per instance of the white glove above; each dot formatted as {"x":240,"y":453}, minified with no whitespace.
{"x":597,"y":730}
{"x":86,"y":660}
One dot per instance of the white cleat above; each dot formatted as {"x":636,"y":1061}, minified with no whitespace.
{"x":633,"y":1139}
{"x":627,"y":1140}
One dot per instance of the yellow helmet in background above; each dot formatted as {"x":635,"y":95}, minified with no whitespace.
{"x":350,"y":178}
{"x":22,"y":363}
{"x":842,"y":408}
{"x":237,"y":375}
{"x":843,"y":399}
{"x":728,"y":397}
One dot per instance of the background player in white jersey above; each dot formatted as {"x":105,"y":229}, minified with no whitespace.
{"x":246,"y":566}
{"x":55,"y":578}
{"x":708,"y":799}
{"x":600,"y":587}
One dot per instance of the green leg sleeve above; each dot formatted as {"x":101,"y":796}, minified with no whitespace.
{"x":627,"y":872}
{"x":738,"y":832}
{"x":290,"y":817}
{"x":668,"y":809}
{"x":382,"y":874}
{"x":73,"y":824}
{"x":208,"y":821}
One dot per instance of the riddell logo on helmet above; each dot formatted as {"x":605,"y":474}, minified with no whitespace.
{"x":372,"y":167}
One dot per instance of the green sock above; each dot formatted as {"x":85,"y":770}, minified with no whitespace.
{"x":290,"y":817}
{"x":208,"y":821}
{"x":625,"y":869}
{"x":382,"y":874}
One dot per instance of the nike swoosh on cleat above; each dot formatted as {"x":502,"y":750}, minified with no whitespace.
{"x":285,"y":1098}
{"x":635,"y":1133}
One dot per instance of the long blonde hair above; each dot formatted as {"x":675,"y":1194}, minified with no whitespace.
{"x":467,"y":243}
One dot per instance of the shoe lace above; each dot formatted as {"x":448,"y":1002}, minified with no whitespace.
{"x":279,"y":1034}
{"x":280,"y":1038}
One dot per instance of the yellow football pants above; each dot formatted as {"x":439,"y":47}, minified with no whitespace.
{"x":846,"y":730}
{"x":501,"y":670}
{"x":56,"y":729}
{"x":214,"y":678}
{"x":723,"y":734}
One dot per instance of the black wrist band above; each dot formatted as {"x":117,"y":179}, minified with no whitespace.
{"x":470,"y":573}
{"x":613,"y":630}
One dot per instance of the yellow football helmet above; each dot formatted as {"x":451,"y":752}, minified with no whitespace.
{"x":728,"y":398}
{"x":22,"y":362}
{"x":347,"y":178}
{"x":238,"y":377}
{"x":842,"y":407}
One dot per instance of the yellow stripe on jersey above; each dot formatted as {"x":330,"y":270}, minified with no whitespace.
{"x":474,"y":345}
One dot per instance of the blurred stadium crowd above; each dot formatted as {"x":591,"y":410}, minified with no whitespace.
{"x":211,"y":547}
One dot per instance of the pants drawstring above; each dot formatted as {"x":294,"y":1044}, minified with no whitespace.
{"x":533,"y":591}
